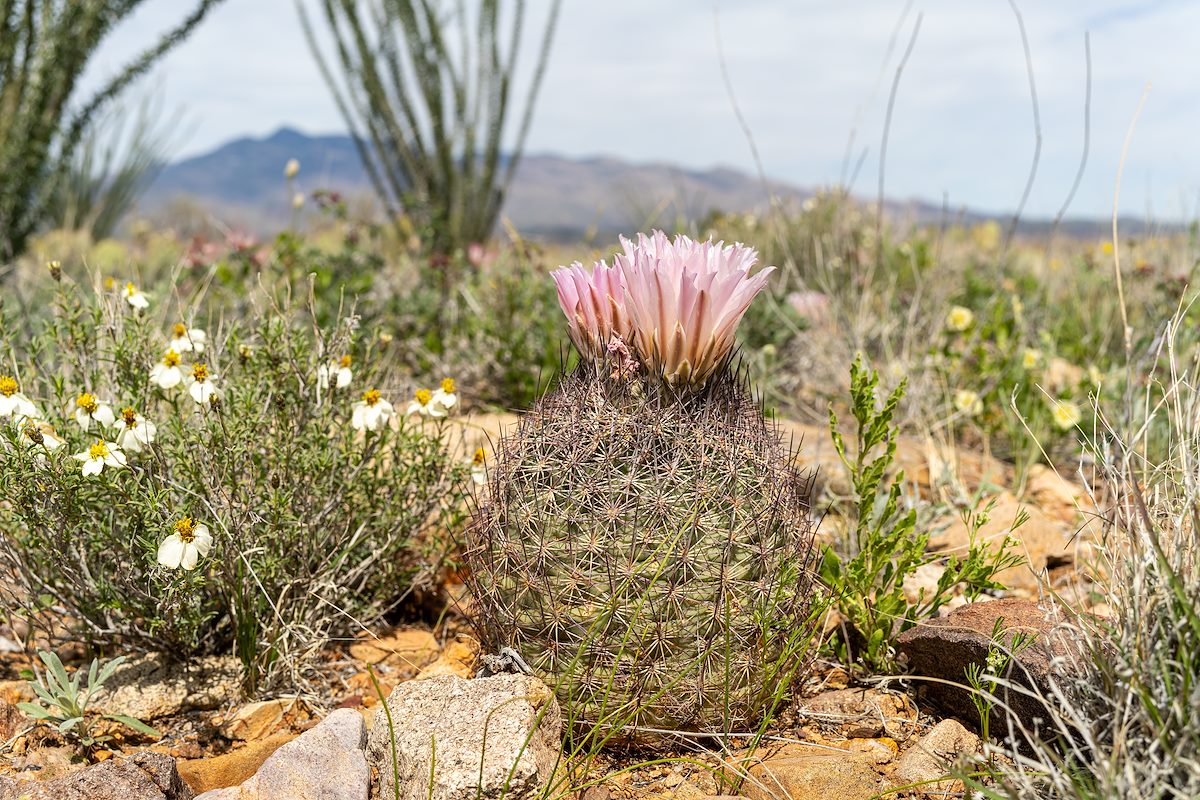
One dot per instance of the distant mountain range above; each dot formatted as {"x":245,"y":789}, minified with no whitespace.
{"x":241,"y":184}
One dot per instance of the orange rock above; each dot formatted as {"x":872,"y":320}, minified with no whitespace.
{"x":233,"y":768}
{"x":458,"y":658}
{"x":407,"y":651}
{"x":257,"y":720}
{"x":362,"y":683}
{"x":1043,"y":541}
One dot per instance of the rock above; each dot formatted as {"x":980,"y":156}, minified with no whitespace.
{"x":407,"y":651}
{"x":458,"y":739}
{"x":863,"y":713}
{"x":933,"y":755}
{"x":257,"y":720}
{"x":11,"y":720}
{"x":230,"y":769}
{"x":926,"y":466}
{"x":804,"y":773}
{"x":1045,"y":543}
{"x":16,"y":692}
{"x":143,"y":776}
{"x":881,"y":750}
{"x":324,"y":763}
{"x":459,"y":658}
{"x":943,"y":648}
{"x":151,"y":686}
{"x":1056,"y":496}
{"x":362,"y":683}
{"x":921,"y":584}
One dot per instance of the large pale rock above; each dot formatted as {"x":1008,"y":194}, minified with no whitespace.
{"x":143,"y":776}
{"x":804,"y":773}
{"x":152,"y":686}
{"x":1058,"y":497}
{"x":458,"y":739}
{"x":934,"y":754}
{"x":943,"y":648}
{"x":324,"y":763}
{"x":1045,"y":543}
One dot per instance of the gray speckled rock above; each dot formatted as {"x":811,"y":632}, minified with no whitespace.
{"x":481,"y":739}
{"x":143,"y":776}
{"x":325,"y":763}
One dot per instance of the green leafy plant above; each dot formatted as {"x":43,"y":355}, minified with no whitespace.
{"x":985,"y":678}
{"x":884,"y":545}
{"x":66,"y":700}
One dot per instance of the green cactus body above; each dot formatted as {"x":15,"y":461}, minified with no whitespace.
{"x":648,"y":553}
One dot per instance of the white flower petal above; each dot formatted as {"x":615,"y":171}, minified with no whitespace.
{"x":190,"y":555}
{"x":204,"y":540}
{"x":170,"y":552}
{"x":92,"y":466}
{"x":104,"y":415}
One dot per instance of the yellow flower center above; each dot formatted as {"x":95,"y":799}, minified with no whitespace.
{"x":200,"y":372}
{"x":345,"y":362}
{"x":130,"y":290}
{"x":87,"y":402}
{"x":186,"y":529}
{"x":98,"y":450}
{"x":478,"y":459}
{"x":372,"y":396}
{"x":424,"y":396}
{"x":129,"y":417}
{"x":171,"y":359}
{"x":448,"y":385}
{"x":8,"y":385}
{"x":180,"y":330}
{"x":109,"y":283}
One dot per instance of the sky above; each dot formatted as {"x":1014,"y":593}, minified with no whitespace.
{"x":642,"y":80}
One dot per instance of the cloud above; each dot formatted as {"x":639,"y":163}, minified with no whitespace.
{"x":643,"y":81}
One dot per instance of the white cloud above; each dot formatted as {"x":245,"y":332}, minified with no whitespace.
{"x":643,"y":81}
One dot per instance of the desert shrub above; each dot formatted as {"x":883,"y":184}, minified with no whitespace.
{"x":247,"y":490}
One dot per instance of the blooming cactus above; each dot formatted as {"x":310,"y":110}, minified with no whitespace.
{"x":678,"y":301}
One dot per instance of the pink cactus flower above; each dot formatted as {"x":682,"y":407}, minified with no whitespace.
{"x":678,"y":302}
{"x":685,"y":300}
{"x":594,"y":302}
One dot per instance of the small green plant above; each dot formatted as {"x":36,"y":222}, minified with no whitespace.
{"x":66,"y":700}
{"x":885,"y":545}
{"x":986,"y":677}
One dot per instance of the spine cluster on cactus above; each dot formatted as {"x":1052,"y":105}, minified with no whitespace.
{"x":644,"y":540}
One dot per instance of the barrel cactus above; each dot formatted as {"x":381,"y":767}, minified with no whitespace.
{"x":644,"y":538}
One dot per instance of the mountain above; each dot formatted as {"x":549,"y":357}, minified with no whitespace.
{"x":241,"y":184}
